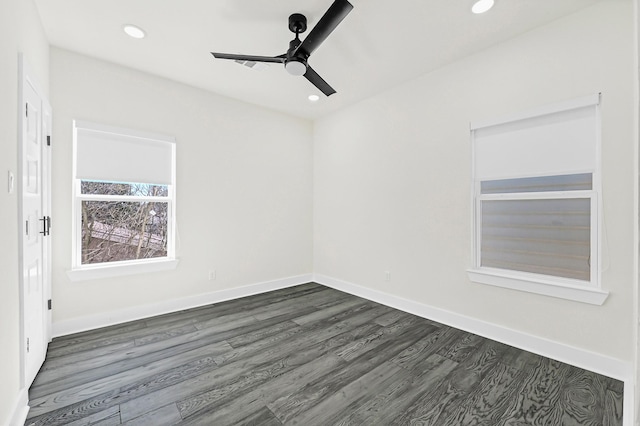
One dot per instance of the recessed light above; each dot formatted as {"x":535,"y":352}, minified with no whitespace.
{"x":133,"y":31}
{"x":314,"y":98}
{"x":481,"y":6}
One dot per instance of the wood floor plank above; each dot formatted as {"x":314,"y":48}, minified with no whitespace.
{"x":308,"y":355}
{"x":109,"y":421}
{"x":114,"y":343}
{"x":71,"y":360}
{"x":489,"y":400}
{"x":429,"y":344}
{"x":462,"y":348}
{"x":263,"y":417}
{"x":124,"y":359}
{"x":434,"y":406}
{"x":380,"y":337}
{"x":218,"y":310}
{"x":392,"y":317}
{"x":110,"y":415}
{"x":237,"y":385}
{"x":165,"y":334}
{"x":136,"y":332}
{"x":539,"y":394}
{"x":393,"y":400}
{"x":232,"y":411}
{"x":332,"y":310}
{"x":99,"y":402}
{"x":241,"y":360}
{"x":226,"y":322}
{"x":286,"y":306}
{"x":260,"y":334}
{"x":97,"y":334}
{"x":226,"y":390}
{"x":290,"y":406}
{"x":121,"y":363}
{"x":163,"y":416}
{"x":56,"y":400}
{"x":582,"y":398}
{"x":613,"y":408}
{"x":353,"y":394}
{"x":321,"y":331}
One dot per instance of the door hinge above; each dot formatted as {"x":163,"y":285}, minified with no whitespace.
{"x":46,"y":226}
{"x":27,"y":344}
{"x":49,"y":304}
{"x":26,"y":110}
{"x":48,"y":140}
{"x":26,"y":227}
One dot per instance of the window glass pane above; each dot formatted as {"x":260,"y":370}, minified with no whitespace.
{"x":550,"y":237}
{"x":115,"y":231}
{"x":575,"y":182}
{"x":118,"y":188}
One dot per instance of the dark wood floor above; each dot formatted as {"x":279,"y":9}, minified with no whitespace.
{"x":308,"y":355}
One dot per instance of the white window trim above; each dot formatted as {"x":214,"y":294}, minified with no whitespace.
{"x":563,"y":288}
{"x":118,"y":269}
{"x":532,"y":283}
{"x":80,"y":272}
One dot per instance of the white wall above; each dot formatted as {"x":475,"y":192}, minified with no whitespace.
{"x":244,"y":185}
{"x":392,"y":178}
{"x":20,"y":31}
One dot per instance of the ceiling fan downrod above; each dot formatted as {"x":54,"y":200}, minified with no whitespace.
{"x":296,"y":63}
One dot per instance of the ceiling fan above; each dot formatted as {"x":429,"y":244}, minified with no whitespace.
{"x":295,"y":60}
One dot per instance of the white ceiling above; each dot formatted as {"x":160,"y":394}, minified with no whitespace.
{"x":380,"y":44}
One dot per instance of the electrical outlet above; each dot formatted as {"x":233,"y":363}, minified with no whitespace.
{"x":387,"y":275}
{"x":212,"y":275}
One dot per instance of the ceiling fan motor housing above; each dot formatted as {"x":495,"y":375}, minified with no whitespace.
{"x":296,"y":61}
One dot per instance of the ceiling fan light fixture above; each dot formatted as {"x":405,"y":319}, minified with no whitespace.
{"x":295,"y":67}
{"x":481,"y":6}
{"x":134,"y":31}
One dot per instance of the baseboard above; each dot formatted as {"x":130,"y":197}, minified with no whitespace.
{"x":92,"y":322}
{"x":20,"y":409}
{"x":581,"y":358}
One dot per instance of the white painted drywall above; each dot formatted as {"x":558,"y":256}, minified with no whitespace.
{"x":392,"y":178}
{"x":244,"y":185}
{"x":20,"y":31}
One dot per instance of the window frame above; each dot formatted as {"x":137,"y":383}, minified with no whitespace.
{"x":550,"y":285}
{"x":81,"y":271}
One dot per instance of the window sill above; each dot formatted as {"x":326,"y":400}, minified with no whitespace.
{"x":120,"y":269}
{"x":538,"y":285}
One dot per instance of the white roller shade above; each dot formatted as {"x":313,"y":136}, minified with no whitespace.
{"x":550,"y":237}
{"x":120,"y":155}
{"x":561,"y":140}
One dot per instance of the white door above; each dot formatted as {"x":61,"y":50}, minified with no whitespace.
{"x":47,"y":124}
{"x":34,"y":229}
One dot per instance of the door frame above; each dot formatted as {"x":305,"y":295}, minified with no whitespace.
{"x":26,"y":77}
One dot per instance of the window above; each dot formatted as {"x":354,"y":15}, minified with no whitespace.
{"x":124,"y":201}
{"x":536,"y":203}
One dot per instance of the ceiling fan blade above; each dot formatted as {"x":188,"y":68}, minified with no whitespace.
{"x":254,"y":58}
{"x":329,"y":21}
{"x":318,"y":81}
